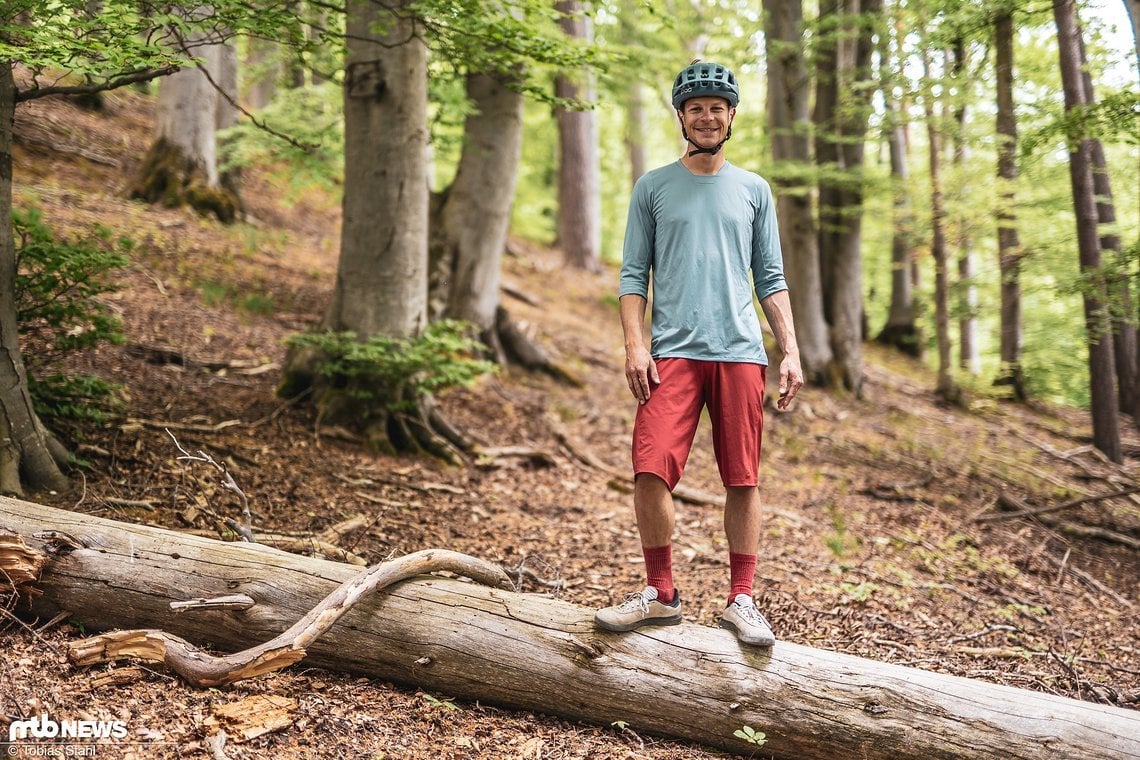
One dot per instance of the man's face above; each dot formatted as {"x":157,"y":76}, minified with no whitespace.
{"x":706,"y":119}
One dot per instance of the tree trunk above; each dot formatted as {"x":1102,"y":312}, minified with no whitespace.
{"x":848,"y":98}
{"x":901,"y":329}
{"x":531,"y":652}
{"x":946,"y":387}
{"x":824,"y":117}
{"x":1102,"y":372}
{"x":789,"y":125}
{"x":969,"y":356}
{"x":1009,"y":243}
{"x":181,"y":167}
{"x":470,"y":219}
{"x":381,"y":284}
{"x":27,"y":451}
{"x":477,"y":211}
{"x":1124,"y":333}
{"x":579,"y":172}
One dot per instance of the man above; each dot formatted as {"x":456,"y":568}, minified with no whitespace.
{"x":698,"y":228}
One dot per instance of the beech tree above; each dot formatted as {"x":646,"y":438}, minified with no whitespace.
{"x":789,"y":125}
{"x":946,"y":386}
{"x":843,"y":93}
{"x":901,"y":328}
{"x":579,"y":174}
{"x":1009,"y":243}
{"x":969,"y":355}
{"x":1102,"y":369}
{"x":181,"y":166}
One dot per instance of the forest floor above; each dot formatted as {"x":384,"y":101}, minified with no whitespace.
{"x":885,"y":539}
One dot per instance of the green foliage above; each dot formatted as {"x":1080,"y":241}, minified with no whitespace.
{"x":751,"y":735}
{"x":58,"y":285}
{"x":838,"y":541}
{"x":1115,"y":117}
{"x":383,"y":369}
{"x":81,"y":398}
{"x":446,"y":704}
{"x":127,"y":39}
{"x":313,"y":117}
{"x":59,"y":311}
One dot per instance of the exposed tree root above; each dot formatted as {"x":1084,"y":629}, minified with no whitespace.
{"x":525,"y":352}
{"x":201,"y":669}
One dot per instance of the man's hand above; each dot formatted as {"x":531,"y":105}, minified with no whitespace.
{"x":640,"y":372}
{"x":791,"y":379}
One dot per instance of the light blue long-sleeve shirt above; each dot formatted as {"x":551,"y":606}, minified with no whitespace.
{"x":698,"y":238}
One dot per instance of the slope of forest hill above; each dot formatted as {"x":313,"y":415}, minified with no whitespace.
{"x":890,"y":533}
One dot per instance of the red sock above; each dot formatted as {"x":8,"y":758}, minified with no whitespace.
{"x":659,"y":570}
{"x":741,"y":567}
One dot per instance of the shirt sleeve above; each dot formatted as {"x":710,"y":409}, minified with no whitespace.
{"x":637,"y":251}
{"x":767,"y":256}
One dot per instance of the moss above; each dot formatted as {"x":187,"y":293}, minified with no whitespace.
{"x":167,"y":177}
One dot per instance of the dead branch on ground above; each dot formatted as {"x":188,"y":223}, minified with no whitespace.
{"x":202,"y":669}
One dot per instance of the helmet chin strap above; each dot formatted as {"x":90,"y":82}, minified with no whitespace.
{"x":697,"y":149}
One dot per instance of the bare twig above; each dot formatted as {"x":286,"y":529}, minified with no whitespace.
{"x":227,"y":482}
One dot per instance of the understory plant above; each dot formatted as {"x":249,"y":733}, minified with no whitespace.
{"x":382,"y":385}
{"x":59,"y":289}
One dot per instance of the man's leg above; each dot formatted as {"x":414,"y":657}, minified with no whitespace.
{"x":737,"y":410}
{"x":653,"y":505}
{"x":662,"y":435}
{"x":658,"y":603}
{"x":742,"y":514}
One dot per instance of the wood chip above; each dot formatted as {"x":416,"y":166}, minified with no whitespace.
{"x":252,"y":717}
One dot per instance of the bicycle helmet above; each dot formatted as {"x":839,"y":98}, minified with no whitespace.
{"x":700,"y":79}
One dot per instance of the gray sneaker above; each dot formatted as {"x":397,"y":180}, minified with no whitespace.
{"x":639,"y":608}
{"x":745,"y":620}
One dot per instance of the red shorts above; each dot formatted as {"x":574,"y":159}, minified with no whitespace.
{"x":665,"y":425}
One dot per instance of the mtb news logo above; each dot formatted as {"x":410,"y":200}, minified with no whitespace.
{"x":44,"y":727}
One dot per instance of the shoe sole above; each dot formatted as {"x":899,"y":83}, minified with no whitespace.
{"x":619,"y":628}
{"x":751,"y":641}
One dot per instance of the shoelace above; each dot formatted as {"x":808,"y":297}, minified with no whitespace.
{"x":752,"y":615}
{"x":635,"y":601}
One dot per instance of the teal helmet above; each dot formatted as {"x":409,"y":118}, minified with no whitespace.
{"x":700,"y":79}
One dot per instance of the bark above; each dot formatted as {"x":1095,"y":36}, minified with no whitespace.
{"x":1009,"y":243}
{"x":531,"y":652}
{"x":901,"y":329}
{"x":579,"y":171}
{"x":381,"y":283}
{"x":28,"y":452}
{"x":946,"y":386}
{"x":1102,"y":371}
{"x":789,"y":125}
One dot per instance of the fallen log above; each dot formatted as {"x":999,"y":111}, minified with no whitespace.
{"x":531,"y":652}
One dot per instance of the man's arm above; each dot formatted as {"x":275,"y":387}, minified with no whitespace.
{"x":640,"y":369}
{"x":778,"y":309}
